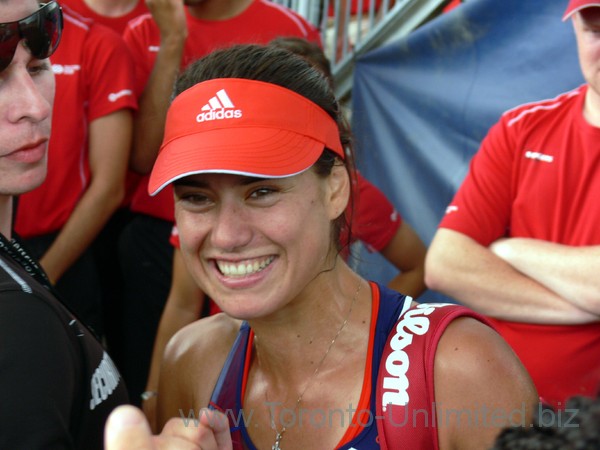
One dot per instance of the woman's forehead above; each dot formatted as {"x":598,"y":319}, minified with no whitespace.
{"x":207,"y":179}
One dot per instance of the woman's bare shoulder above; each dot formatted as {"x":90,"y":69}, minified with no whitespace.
{"x":481,"y":384}
{"x":205,"y":338}
{"x":192,"y":363}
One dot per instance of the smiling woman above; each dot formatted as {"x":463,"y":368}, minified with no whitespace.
{"x":262,"y":165}
{"x":259,"y":212}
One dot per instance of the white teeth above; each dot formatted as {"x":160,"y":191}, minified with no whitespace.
{"x":244,"y":268}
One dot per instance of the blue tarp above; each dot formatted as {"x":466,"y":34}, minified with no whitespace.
{"x":421,"y":105}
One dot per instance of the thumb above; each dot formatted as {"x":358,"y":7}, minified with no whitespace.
{"x":127,"y":429}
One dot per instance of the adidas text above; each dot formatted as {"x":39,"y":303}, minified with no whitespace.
{"x":220,"y":114}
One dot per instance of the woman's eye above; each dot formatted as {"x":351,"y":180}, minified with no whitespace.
{"x":261,"y":192}
{"x":198,"y":198}
{"x":195,"y":199}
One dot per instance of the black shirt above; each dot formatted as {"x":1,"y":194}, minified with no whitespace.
{"x":57,"y":384}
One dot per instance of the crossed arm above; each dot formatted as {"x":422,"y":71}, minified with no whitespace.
{"x":570,"y":272}
{"x":520,"y":280}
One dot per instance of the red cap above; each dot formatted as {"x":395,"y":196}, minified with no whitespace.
{"x":578,"y":5}
{"x":243,"y":127}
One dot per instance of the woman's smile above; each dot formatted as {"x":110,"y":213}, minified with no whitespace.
{"x":243,"y":268}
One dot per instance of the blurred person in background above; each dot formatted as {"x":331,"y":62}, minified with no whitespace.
{"x":88,"y":157}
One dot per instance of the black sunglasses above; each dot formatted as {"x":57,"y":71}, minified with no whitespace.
{"x":41,"y":32}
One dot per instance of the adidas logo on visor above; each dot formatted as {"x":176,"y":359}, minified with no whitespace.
{"x":219,"y":107}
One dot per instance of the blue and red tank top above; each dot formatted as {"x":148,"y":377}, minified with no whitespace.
{"x":362,"y":433}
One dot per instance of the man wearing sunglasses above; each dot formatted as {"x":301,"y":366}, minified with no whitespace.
{"x":57,"y":385}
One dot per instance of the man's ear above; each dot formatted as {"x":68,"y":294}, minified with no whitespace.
{"x":338,"y":194}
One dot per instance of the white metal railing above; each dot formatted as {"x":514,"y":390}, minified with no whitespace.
{"x":352,"y":27}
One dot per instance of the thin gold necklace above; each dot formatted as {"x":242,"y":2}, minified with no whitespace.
{"x":279,"y":434}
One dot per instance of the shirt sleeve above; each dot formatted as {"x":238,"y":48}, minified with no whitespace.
{"x":109,"y":72}
{"x":376,"y":221}
{"x":37,"y":369}
{"x":139,"y":39}
{"x":482,"y":205}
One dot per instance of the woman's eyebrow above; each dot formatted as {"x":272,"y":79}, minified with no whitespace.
{"x":198,"y":183}
{"x":249,"y":180}
{"x":190,"y":182}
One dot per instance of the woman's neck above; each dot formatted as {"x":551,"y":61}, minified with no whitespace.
{"x":292,"y":373}
{"x":295,"y":340}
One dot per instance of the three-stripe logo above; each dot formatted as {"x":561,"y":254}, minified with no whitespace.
{"x":220,"y":101}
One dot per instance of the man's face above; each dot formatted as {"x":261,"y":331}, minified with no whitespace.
{"x":587,"y":32}
{"x":26,"y":98}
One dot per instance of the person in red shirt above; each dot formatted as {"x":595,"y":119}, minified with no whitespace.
{"x":86,"y":170}
{"x":113,"y":14}
{"x":520,"y":241}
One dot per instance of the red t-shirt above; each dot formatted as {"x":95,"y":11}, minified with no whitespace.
{"x":94,"y":78}
{"x":376,"y":221}
{"x":143,"y":38}
{"x":535,"y":172}
{"x":536,"y":176}
{"x":116,"y":23}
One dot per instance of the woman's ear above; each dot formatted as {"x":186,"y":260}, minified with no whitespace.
{"x":338,"y":195}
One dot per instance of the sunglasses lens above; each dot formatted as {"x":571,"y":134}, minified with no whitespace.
{"x":42,"y":30}
{"x":9,"y":39}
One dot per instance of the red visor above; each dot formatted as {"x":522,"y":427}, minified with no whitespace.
{"x":244,"y":127}
{"x":578,"y":5}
